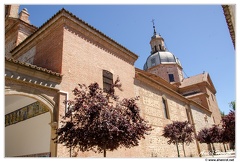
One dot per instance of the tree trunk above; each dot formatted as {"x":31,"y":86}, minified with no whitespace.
{"x":177,"y":149}
{"x":104,"y":151}
{"x":224,"y":147}
{"x":214,"y":150}
{"x":183,"y":149}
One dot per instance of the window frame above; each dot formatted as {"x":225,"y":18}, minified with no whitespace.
{"x":107,"y":77}
{"x":165,"y":108}
{"x":171,"y":78}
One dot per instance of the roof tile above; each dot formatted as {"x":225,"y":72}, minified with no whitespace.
{"x":33,"y":66}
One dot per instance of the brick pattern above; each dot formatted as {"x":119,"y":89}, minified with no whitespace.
{"x":162,"y":70}
{"x":151,"y":107}
{"x":28,"y":57}
{"x":80,"y":56}
{"x":83,"y":62}
{"x":49,"y":51}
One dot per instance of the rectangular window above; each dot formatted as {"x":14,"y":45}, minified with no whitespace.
{"x":171,"y":77}
{"x":165,"y":108}
{"x":107,"y":80}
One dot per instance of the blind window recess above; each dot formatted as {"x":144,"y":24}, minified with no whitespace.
{"x":107,"y":80}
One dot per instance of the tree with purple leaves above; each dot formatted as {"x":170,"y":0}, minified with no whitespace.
{"x":179,"y":132}
{"x":100,"y":121}
{"x":228,"y":125}
{"x":210,"y":135}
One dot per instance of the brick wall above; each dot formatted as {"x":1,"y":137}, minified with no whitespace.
{"x":10,"y":41}
{"x":213,"y":106}
{"x":49,"y":50}
{"x":152,"y":110}
{"x":28,"y":57}
{"x":163,"y":70}
{"x":83,"y":62}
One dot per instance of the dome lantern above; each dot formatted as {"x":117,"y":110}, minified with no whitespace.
{"x":161,"y":62}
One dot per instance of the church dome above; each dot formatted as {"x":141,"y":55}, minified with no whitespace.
{"x":161,"y":57}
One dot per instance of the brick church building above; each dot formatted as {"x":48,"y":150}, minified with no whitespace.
{"x":43,"y":65}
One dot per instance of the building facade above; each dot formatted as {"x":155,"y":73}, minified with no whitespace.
{"x":229,"y":13}
{"x":43,"y":65}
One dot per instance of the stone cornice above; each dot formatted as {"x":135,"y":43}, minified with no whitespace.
{"x":205,"y":81}
{"x":157,"y":78}
{"x":156,"y":84}
{"x":31,"y":74}
{"x":201,"y":84}
{"x":197,"y":95}
{"x":27,"y":65}
{"x":100,"y":38}
{"x":61,"y":17}
{"x":35,"y":37}
{"x":18,"y":22}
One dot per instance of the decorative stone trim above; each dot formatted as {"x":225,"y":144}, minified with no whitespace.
{"x":33,"y":67}
{"x":47,"y":154}
{"x":25,"y":113}
{"x":64,"y":15}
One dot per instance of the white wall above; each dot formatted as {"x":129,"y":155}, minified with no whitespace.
{"x":28,"y":137}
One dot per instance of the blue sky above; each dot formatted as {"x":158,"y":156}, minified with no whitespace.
{"x":196,"y":34}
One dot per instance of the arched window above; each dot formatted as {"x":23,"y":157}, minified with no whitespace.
{"x":107,"y":80}
{"x":165,"y":108}
{"x":188,"y":114}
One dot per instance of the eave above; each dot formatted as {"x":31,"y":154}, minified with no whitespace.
{"x":62,"y":16}
{"x":229,"y":22}
{"x":32,"y":70}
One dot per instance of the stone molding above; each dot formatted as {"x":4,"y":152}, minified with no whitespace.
{"x":158,"y":85}
{"x":31,"y":74}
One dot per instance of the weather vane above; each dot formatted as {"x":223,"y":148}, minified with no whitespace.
{"x":153,"y":23}
{"x":154,"y":27}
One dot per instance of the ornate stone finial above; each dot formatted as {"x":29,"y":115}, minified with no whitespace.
{"x":24,"y":15}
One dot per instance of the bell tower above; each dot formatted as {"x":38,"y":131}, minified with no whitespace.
{"x":161,"y":62}
{"x":17,"y":27}
{"x":11,"y":11}
{"x":157,"y":42}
